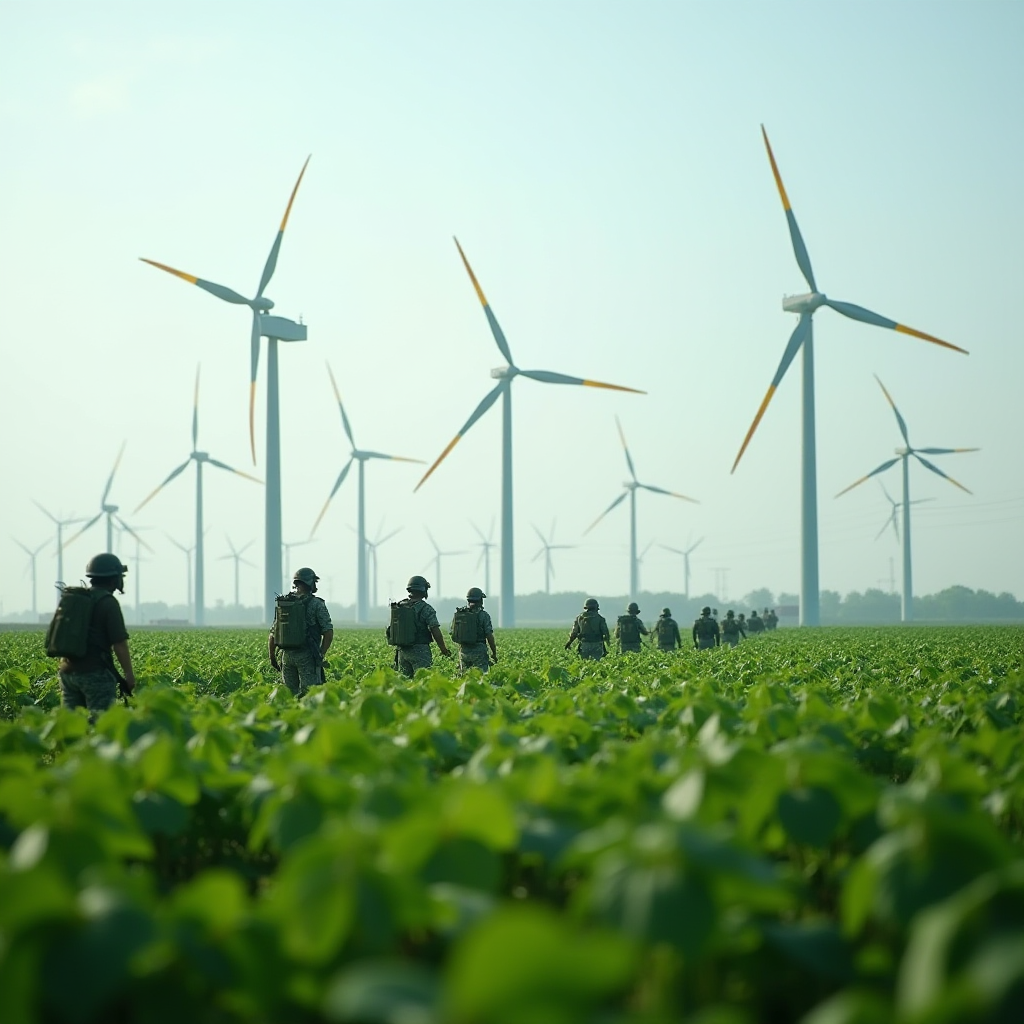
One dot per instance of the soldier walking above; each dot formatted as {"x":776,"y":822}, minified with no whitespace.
{"x":86,"y":633}
{"x":303,"y":633}
{"x":591,"y":629}
{"x":732,"y":628}
{"x":771,"y":620}
{"x":755,"y":623}
{"x":666,"y":630}
{"x":706,"y":633}
{"x":629,"y":629}
{"x":473,"y":631}
{"x":413,"y":625}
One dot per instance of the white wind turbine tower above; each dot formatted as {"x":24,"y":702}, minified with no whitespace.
{"x":438,"y":555}
{"x":686,"y":562}
{"x":32,"y":564}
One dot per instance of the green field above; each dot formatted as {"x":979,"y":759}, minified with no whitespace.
{"x":819,"y":825}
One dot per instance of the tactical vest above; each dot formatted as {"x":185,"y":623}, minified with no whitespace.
{"x":731,"y":627}
{"x":705,"y":626}
{"x":405,"y":627}
{"x":466,"y":626}
{"x":666,"y":631}
{"x":290,"y":629}
{"x":590,"y":628}
{"x":629,"y":629}
{"x":68,"y":633}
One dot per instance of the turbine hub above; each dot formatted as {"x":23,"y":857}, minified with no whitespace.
{"x":201,"y":456}
{"x":903,"y":451}
{"x":503,"y":372}
{"x":806,"y":303}
{"x":261,"y":303}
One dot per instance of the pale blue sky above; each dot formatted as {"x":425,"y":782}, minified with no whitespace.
{"x":602,"y":166}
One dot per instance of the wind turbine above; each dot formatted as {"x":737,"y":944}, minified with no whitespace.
{"x":372,"y":546}
{"x":288,"y":551}
{"x":236,"y":555}
{"x":894,"y":512}
{"x":630,"y":488}
{"x":504,"y":376}
{"x":546,"y":548}
{"x":32,"y":563}
{"x":485,"y":546}
{"x":109,"y":510}
{"x":640,"y":562}
{"x":802,"y":336}
{"x":362,"y":457}
{"x":199,"y":458}
{"x":188,"y":558}
{"x":686,"y":563}
{"x":903,"y":455}
{"x":438,"y":555}
{"x":274,"y":329}
{"x":60,"y":524}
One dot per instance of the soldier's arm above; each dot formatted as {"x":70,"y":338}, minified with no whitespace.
{"x":435,"y":632}
{"x":272,"y":652}
{"x":124,"y":656}
{"x":326,"y":639}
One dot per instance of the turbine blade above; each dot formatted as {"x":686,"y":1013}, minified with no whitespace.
{"x":195,"y":414}
{"x":803,"y":260}
{"x":271,"y":264}
{"x":693,"y":547}
{"x":540,"y":535}
{"x":334,"y":491}
{"x":92,"y":522}
{"x":124,"y":526}
{"x":886,"y":493}
{"x":489,"y":399}
{"x":390,"y":458}
{"x":110,"y":479}
{"x":796,"y":339}
{"x":618,"y":501}
{"x":231,"y":469}
{"x":49,"y":515}
{"x":675,"y":551}
{"x":867,"y":317}
{"x":534,"y":559}
{"x":625,"y":448}
{"x":341,"y":408}
{"x":254,"y":363}
{"x":899,"y":419}
{"x":499,"y":334}
{"x":388,"y":537}
{"x":227,"y":294}
{"x":935,"y":469}
{"x":175,"y":472}
{"x":885,"y":526}
{"x":549,"y":377}
{"x":880,"y":469}
{"x":671,"y":494}
{"x":944,"y":451}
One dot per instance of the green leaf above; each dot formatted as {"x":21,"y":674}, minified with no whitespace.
{"x":809,"y":815}
{"x":383,"y":992}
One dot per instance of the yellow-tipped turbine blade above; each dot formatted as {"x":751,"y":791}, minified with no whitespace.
{"x":191,"y":278}
{"x":903,"y":329}
{"x":288,"y":209}
{"x":426,"y":476}
{"x":472,"y":276}
{"x":753,"y":426}
{"x":775,"y":171}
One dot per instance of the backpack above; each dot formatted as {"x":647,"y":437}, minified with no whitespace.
{"x":466,"y":626}
{"x":629,"y":629}
{"x":290,"y":632}
{"x":68,"y":632}
{"x":731,"y":627}
{"x":666,"y":630}
{"x":590,"y":627}
{"x":404,"y":626}
{"x":705,"y":626}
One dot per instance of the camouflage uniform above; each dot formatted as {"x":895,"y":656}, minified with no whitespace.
{"x":417,"y":655}
{"x":476,"y":655}
{"x":592,"y":650}
{"x":667,"y":631}
{"x":630,"y":646}
{"x":755,"y":623}
{"x":91,"y":681}
{"x":301,"y":667}
{"x":706,"y":633}
{"x":731,"y":629}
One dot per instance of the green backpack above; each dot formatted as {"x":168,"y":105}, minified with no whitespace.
{"x":466,"y":626}
{"x":590,"y":628}
{"x":666,"y":630}
{"x":629,"y":629}
{"x":68,"y":633}
{"x":290,"y":631}
{"x":705,"y":626}
{"x":403,"y":628}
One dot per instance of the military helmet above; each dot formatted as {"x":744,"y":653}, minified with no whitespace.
{"x":475,"y":594}
{"x":417,"y":583}
{"x":730,"y":614}
{"x":706,"y":610}
{"x":591,"y":602}
{"x":305,"y":575}
{"x":666,"y":612}
{"x":633,"y":608}
{"x":105,"y":565}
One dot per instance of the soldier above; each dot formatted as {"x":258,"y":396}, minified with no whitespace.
{"x":302,"y":652}
{"x":666,"y":629}
{"x":629,"y":628}
{"x":771,"y":620}
{"x":88,"y":678}
{"x":755,"y":623}
{"x":731,"y":629}
{"x":413,"y":625}
{"x":705,"y":631}
{"x":474,"y":621}
{"x":592,"y":630}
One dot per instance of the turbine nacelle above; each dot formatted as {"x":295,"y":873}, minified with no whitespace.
{"x":261,"y":303}
{"x":280,"y":328}
{"x":806,"y":303}
{"x":504,"y":372}
{"x":903,"y":451}
{"x":201,"y":456}
{"x":110,"y":508}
